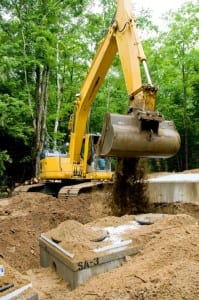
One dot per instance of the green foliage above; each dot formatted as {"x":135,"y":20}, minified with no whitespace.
{"x":4,"y":158}
{"x":175,"y":68}
{"x":14,"y":118}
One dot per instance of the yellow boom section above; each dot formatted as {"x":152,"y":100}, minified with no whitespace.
{"x":130,"y":49}
{"x":100,"y":65}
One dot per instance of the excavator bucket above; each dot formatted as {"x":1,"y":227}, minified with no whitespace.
{"x":139,"y":134}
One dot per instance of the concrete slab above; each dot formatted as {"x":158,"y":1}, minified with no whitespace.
{"x":173,"y":188}
{"x":108,"y":254}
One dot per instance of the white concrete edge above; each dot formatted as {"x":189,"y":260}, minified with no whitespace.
{"x":71,"y":255}
{"x":16,"y":292}
{"x":175,"y":178}
{"x":113,"y":246}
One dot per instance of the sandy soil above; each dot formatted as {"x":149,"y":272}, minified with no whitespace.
{"x":166,"y":268}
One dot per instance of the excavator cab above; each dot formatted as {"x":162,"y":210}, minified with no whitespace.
{"x":93,"y":161}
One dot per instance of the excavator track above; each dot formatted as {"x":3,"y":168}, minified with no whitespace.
{"x":59,"y":190}
{"x":74,"y":190}
{"x":28,"y":188}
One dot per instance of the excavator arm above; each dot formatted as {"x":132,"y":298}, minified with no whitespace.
{"x":130,"y":51}
{"x":143,"y":132}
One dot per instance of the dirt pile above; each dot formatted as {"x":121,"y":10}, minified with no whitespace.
{"x":166,"y":268}
{"x":24,"y":217}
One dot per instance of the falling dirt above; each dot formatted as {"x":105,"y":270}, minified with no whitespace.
{"x":129,"y":193}
{"x":167,"y":267}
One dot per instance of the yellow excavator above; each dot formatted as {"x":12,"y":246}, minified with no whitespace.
{"x":142,"y":132}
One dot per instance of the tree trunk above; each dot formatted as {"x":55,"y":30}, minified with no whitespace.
{"x":186,"y":164}
{"x":58,"y":98}
{"x":41,"y":100}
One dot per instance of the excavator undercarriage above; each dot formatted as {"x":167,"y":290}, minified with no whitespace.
{"x":63,"y":189}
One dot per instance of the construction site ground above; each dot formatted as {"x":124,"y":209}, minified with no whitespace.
{"x":167,"y":267}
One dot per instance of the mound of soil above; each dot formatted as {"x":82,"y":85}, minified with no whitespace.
{"x":166,"y":268}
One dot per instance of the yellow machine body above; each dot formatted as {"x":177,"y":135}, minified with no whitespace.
{"x":142,"y":132}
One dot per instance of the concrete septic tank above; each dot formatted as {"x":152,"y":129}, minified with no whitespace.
{"x":76,"y":267}
{"x":181,"y":187}
{"x":13,"y":285}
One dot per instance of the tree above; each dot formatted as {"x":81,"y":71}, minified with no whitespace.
{"x":173,"y":65}
{"x":34,"y":27}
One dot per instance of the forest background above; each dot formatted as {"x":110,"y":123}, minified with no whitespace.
{"x":46,"y":48}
